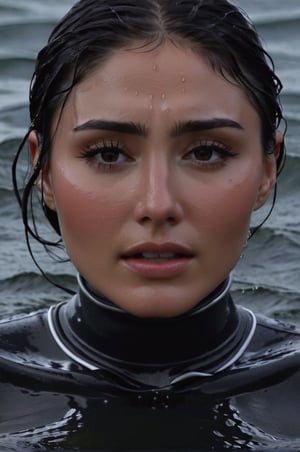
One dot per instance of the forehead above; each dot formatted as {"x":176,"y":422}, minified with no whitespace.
{"x":135,"y":81}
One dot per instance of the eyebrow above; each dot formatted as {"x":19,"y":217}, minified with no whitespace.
{"x":139,"y":129}
{"x":205,"y":124}
{"x":131,"y":128}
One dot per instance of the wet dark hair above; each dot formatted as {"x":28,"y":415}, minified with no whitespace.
{"x":93,"y":29}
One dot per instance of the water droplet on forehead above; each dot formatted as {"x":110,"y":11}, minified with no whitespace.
{"x":183,"y":79}
{"x":137,"y":92}
{"x":163,"y":96}
{"x":155,"y":67}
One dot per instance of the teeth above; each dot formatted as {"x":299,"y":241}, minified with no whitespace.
{"x":158,"y":255}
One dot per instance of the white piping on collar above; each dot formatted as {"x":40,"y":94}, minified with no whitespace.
{"x":227,"y":364}
{"x":62,"y":346}
{"x":185,"y":376}
{"x":215,"y":300}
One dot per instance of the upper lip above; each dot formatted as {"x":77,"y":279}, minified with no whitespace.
{"x":158,"y":248}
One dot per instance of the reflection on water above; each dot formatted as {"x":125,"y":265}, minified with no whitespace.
{"x":156,"y":420}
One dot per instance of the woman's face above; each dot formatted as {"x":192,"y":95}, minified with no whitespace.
{"x":156,"y":166}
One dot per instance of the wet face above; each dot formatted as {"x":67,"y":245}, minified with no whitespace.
{"x":156,"y":166}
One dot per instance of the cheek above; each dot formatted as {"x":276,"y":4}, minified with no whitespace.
{"x":224,"y":211}
{"x":87,"y":216}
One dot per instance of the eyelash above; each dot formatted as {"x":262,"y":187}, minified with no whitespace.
{"x":211,"y":147}
{"x":94,"y":152}
{"x":91,"y":154}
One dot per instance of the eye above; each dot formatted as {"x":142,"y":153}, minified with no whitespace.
{"x":110,"y":154}
{"x":106,"y":154}
{"x":209,"y":153}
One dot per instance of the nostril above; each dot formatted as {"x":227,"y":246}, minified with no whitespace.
{"x":158,"y":211}
{"x":167,"y":221}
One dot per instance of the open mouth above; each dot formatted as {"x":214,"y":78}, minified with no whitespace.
{"x":157,"y":257}
{"x":158,"y":261}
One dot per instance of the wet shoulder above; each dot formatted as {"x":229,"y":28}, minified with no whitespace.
{"x":275,"y":347}
{"x":274,"y":333}
{"x":30,"y":356}
{"x":26,"y":342}
{"x":24,"y":334}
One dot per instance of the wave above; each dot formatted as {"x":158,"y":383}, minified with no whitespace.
{"x":289,"y":181}
{"x":290,"y":234}
{"x":276,"y":303}
{"x":276,"y":17}
{"x":33,"y":8}
{"x":16,"y":115}
{"x":31,"y":280}
{"x":29,"y":291}
{"x":17,"y":67}
{"x":271,"y":261}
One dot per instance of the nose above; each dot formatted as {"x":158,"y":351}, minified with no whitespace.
{"x":158,"y":196}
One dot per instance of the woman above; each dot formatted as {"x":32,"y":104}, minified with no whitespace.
{"x":154,"y":136}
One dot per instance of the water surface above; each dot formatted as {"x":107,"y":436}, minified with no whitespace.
{"x":267,"y":278}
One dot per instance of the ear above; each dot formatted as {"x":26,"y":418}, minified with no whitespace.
{"x":269,"y":175}
{"x":43,"y":181}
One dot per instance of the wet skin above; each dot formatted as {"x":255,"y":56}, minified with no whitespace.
{"x":156,"y":166}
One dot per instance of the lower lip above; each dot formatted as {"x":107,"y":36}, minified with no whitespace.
{"x":158,"y":270}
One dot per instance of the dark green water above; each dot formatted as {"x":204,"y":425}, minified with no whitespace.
{"x":267,"y":278}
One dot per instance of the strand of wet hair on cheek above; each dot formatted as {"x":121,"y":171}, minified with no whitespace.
{"x":24,"y":201}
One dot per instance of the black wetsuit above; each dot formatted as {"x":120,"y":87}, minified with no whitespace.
{"x":87,"y":376}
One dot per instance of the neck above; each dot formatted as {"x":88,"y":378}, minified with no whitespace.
{"x":103,"y":336}
{"x":155,"y":340}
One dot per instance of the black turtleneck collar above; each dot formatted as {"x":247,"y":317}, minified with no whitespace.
{"x":205,"y":340}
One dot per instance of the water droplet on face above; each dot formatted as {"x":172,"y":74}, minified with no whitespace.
{"x":137,"y":93}
{"x":155,"y":67}
{"x":163,"y":96}
{"x":183,"y":90}
{"x":151,"y":107}
{"x":183,"y":79}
